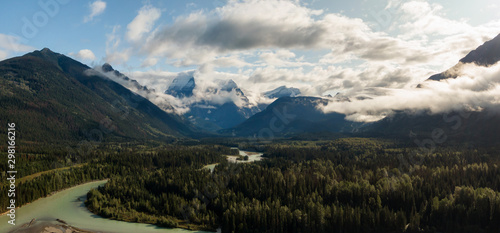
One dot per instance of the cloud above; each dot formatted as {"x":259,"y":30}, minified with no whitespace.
{"x":316,"y":51}
{"x":239,"y":26}
{"x":166,"y":102}
{"x":426,"y":18}
{"x":204,"y":94}
{"x":142,"y":23}
{"x":282,"y":58}
{"x":476,"y":89}
{"x":151,"y":61}
{"x":204,"y":36}
{"x":12,"y":44}
{"x":115,"y":54}
{"x":242,"y":26}
{"x":3,"y":55}
{"x":84,"y":54}
{"x":439,"y":39}
{"x":96,"y":8}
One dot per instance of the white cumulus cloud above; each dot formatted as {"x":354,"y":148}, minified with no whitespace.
{"x":143,"y":22}
{"x":12,"y":44}
{"x":84,"y":54}
{"x":96,"y":8}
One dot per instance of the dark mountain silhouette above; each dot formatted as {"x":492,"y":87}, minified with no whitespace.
{"x":485,"y":55}
{"x":52,"y":97}
{"x":462,"y":126}
{"x":293,"y":115}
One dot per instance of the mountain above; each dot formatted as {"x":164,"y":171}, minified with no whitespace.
{"x":219,"y":106}
{"x":52,"y":97}
{"x":107,"y":68}
{"x":181,"y":87}
{"x":229,"y":85}
{"x":292,"y":115}
{"x":460,"y":126}
{"x":134,"y":86}
{"x":485,"y":55}
{"x":433,"y":129}
{"x":228,"y":107}
{"x":282,"y":91}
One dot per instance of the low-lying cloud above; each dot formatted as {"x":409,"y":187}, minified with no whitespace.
{"x":476,"y":88}
{"x":318,"y":51}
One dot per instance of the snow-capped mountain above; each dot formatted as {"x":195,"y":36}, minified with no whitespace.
{"x":227,"y":85}
{"x":181,"y":86}
{"x":218,"y":106}
{"x":282,"y":91}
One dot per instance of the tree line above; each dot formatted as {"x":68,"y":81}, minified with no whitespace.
{"x":346,"y":185}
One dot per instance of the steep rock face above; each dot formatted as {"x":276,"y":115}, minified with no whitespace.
{"x":228,"y":107}
{"x":181,"y":87}
{"x":55,"y":98}
{"x":486,"y":54}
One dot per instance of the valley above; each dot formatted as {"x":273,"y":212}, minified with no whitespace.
{"x":360,"y":184}
{"x":222,"y":117}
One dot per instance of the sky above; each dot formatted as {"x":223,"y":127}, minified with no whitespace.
{"x":356,"y":48}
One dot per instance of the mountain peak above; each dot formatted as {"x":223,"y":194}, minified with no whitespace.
{"x":84,"y":98}
{"x":181,"y":86}
{"x":47,"y":55}
{"x":43,"y":53}
{"x":282,"y":91}
{"x":485,"y":55}
{"x":227,"y":85}
{"x":106,"y":67}
{"x":46,"y":50}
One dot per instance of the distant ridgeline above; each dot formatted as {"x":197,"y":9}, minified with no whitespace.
{"x":52,"y":97}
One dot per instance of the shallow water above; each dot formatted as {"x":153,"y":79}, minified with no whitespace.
{"x":252,"y":157}
{"x":68,"y":205}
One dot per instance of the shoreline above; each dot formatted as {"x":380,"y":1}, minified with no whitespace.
{"x":52,"y":193}
{"x":187,"y":227}
{"x":56,"y":223}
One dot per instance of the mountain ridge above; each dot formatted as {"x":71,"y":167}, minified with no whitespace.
{"x":287,"y":116}
{"x":486,"y":54}
{"x":54,"y":98}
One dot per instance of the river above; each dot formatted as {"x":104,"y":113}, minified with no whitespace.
{"x":68,"y":206}
{"x":252,"y":157}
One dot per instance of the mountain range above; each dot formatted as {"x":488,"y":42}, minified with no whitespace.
{"x":52,"y":97}
{"x":55,"y":98}
{"x":282,"y":91}
{"x":181,"y":87}
{"x":228,"y":107}
{"x":479,"y":126}
{"x":291,"y":115}
{"x":485,"y":55}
